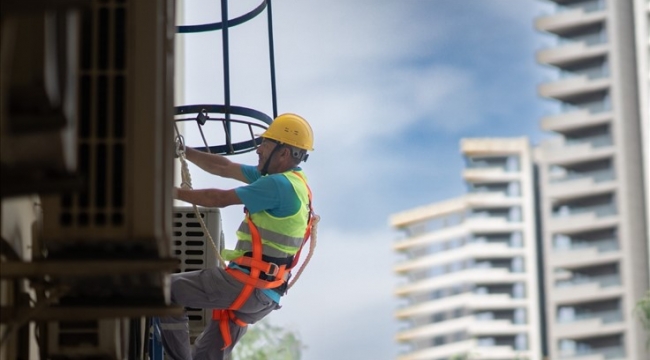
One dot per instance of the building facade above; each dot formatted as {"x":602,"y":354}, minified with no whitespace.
{"x":469,"y":264}
{"x":642,"y":37}
{"x":592,"y":179}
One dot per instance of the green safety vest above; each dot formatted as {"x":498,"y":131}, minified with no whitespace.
{"x":281,"y":236}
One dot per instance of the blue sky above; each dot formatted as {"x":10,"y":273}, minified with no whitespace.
{"x":390,"y":87}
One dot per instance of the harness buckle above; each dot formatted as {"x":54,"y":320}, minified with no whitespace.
{"x":274,"y":269}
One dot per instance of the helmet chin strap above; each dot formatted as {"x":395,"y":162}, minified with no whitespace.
{"x":265,"y":168}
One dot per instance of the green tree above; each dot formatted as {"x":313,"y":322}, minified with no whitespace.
{"x":264,"y":341}
{"x":643,"y":312}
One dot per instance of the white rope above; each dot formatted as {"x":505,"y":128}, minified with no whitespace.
{"x":312,"y":247}
{"x":186,"y":183}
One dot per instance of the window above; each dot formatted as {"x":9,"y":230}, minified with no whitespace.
{"x":515,"y":214}
{"x":514,"y":189}
{"x":512,"y":163}
{"x":521,"y":342}
{"x":561,"y":242}
{"x":519,"y":316}
{"x":518,"y":291}
{"x":517,"y":265}
{"x":516,"y":240}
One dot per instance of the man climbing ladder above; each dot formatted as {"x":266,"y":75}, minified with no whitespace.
{"x":278,"y":221}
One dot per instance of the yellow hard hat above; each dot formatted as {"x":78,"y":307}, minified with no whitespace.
{"x":292,"y":130}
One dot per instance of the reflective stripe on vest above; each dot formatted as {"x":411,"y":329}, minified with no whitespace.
{"x":281,"y":237}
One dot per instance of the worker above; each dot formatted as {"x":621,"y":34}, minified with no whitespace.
{"x":278,"y":210}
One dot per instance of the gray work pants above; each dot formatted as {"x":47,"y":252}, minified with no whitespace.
{"x":208,"y":289}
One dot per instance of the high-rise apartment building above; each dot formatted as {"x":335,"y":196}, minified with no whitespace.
{"x":642,"y":36}
{"x":469,"y":263}
{"x":591,"y":176}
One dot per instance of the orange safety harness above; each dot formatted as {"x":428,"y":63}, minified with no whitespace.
{"x":257,"y":266}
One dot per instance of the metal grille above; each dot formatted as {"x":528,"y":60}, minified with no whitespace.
{"x":101,"y":131}
{"x":192,"y":247}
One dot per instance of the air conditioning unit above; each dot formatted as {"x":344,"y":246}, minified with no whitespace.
{"x":191,"y":245}
{"x":124,"y":143}
{"x":124,"y":130}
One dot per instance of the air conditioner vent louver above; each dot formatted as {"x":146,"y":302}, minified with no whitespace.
{"x":101,"y":133}
{"x":193,"y":249}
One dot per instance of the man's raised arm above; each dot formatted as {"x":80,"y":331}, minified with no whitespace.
{"x":215,"y":164}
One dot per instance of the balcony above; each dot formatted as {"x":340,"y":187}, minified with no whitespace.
{"x":569,"y":18}
{"x":600,"y":205}
{"x":467,"y":300}
{"x":582,"y":222}
{"x":468,"y":251}
{"x":582,"y":289}
{"x":582,"y":185}
{"x":584,"y":257}
{"x":489,"y":174}
{"x":576,"y":216}
{"x":558,"y":151}
{"x":500,"y":352}
{"x":436,"y":329}
{"x":604,"y":173}
{"x":603,"y":317}
{"x":601,"y":246}
{"x":485,"y":276}
{"x":491,"y":199}
{"x":566,"y":89}
{"x":571,"y":52}
{"x":575,"y":119}
{"x":441,"y":352}
{"x":590,"y":325}
{"x":496,"y":328}
{"x":603,"y":353}
{"x":433,"y":306}
{"x":430,"y":237}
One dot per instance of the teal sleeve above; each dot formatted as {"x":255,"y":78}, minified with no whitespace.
{"x":271,"y":193}
{"x":250,"y":173}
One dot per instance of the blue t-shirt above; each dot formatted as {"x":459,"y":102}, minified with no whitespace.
{"x":271,"y":193}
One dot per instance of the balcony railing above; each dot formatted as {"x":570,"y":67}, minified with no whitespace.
{"x":597,"y":176}
{"x":586,"y":6}
{"x":590,"y":39}
{"x":612,"y":352}
{"x":607,"y":317}
{"x":598,"y":211}
{"x":595,"y":141}
{"x":602,"y":246}
{"x":593,"y":107}
{"x":592,"y":73}
{"x":603,"y":280}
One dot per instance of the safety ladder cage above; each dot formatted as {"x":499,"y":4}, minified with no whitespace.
{"x":229,"y":114}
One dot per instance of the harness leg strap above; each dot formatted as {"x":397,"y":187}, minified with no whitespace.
{"x":224,"y":317}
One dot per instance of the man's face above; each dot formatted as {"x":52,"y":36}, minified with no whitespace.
{"x":264,"y":151}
